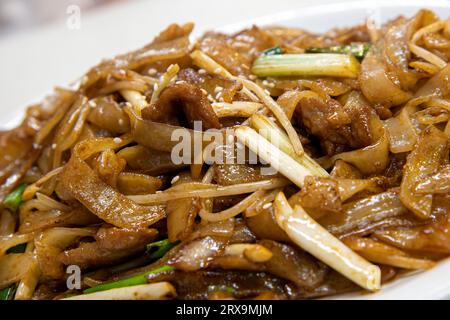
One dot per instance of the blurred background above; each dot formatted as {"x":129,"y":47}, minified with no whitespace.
{"x":19,"y":15}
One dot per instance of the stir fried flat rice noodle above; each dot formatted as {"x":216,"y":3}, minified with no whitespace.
{"x":321,"y":166}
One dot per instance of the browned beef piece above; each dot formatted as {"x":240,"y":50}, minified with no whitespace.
{"x":339,"y":128}
{"x":187,"y":97}
{"x":111,"y":245}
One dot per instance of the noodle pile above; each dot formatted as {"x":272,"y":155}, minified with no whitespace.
{"x":360,"y":190}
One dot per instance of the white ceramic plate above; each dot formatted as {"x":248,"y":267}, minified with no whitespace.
{"x":31,"y":64}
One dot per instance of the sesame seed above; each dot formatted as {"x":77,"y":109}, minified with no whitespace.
{"x":218,"y":95}
{"x":217,"y":71}
{"x":252,"y":77}
{"x":120,"y":122}
{"x":267,"y":92}
{"x":271,"y":85}
{"x":117,"y":140}
{"x":155,"y":87}
{"x":201,"y":71}
{"x":128,"y":104}
{"x":218,"y":89}
{"x":159,"y":191}
{"x":122,"y":72}
{"x":265,"y":83}
{"x":152,"y":71}
{"x":175,"y":179}
{"x":54,"y":146}
{"x":204,"y":91}
{"x":179,"y":81}
{"x":267,"y":205}
{"x":210,"y":98}
{"x":92,"y":103}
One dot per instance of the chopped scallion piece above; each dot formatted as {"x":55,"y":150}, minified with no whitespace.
{"x":359,"y":50}
{"x":307,"y":64}
{"x":162,"y":247}
{"x":127,"y":282}
{"x":8,"y":293}
{"x":272,"y":51}
{"x":270,"y":131}
{"x":20,"y":248}
{"x":13,"y":200}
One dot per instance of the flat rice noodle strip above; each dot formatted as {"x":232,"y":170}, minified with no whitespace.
{"x":69,"y":129}
{"x":165,"y":51}
{"x":288,"y":101}
{"x":447,"y":129}
{"x":326,"y":87}
{"x":430,"y":152}
{"x":378,"y":252}
{"x":109,"y":115}
{"x":111,"y":246}
{"x":364,"y":214}
{"x":402,"y":136}
{"x":376,"y":85}
{"x":349,"y":187}
{"x":181,"y":216}
{"x":372,"y":159}
{"x":437,"y":183}
{"x":51,"y":242}
{"x":168,"y":50}
{"x":198,"y":253}
{"x":108,"y":166}
{"x":65,"y":99}
{"x":438,"y":85}
{"x":7,"y":223}
{"x":28,"y":283}
{"x":293,"y":264}
{"x":137,"y":183}
{"x":198,"y":285}
{"x":431,"y":238}
{"x":101,"y":199}
{"x":264,"y":226}
{"x":396,"y":48}
{"x":40,"y":220}
{"x":343,"y":170}
{"x":439,"y":102}
{"x":334,"y":284}
{"x":158,"y":136}
{"x":284,"y":261}
{"x":16,"y":171}
{"x":432,"y":115}
{"x":148,"y":161}
{"x":14,"y":267}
